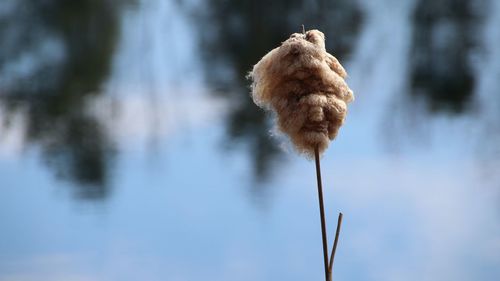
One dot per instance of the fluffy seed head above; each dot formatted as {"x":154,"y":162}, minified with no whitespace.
{"x":304,"y":85}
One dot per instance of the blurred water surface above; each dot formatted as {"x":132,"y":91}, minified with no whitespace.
{"x":131,"y":150}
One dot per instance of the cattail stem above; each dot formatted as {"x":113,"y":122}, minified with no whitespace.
{"x":322,"y":214}
{"x":334,"y":249}
{"x":328,"y":262}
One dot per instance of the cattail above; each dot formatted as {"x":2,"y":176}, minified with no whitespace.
{"x":304,"y":85}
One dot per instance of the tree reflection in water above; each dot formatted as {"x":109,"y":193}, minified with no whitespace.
{"x":234,"y":35}
{"x":445,"y":34}
{"x":57,"y":53}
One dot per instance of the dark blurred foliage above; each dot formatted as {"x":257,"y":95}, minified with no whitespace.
{"x":234,"y":35}
{"x":444,"y":37}
{"x":54,"y":95}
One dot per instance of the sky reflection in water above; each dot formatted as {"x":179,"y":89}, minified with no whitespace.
{"x":186,"y":197}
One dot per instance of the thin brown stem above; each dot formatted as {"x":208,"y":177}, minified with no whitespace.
{"x":332,"y":256}
{"x":322,"y":213}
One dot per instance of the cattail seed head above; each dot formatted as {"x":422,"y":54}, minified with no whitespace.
{"x":304,"y":85}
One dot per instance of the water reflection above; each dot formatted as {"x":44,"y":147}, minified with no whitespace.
{"x":234,"y":35}
{"x":427,"y":213}
{"x":57,"y":55}
{"x":445,"y":34}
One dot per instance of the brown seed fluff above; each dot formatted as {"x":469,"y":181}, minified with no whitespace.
{"x":304,"y":85}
